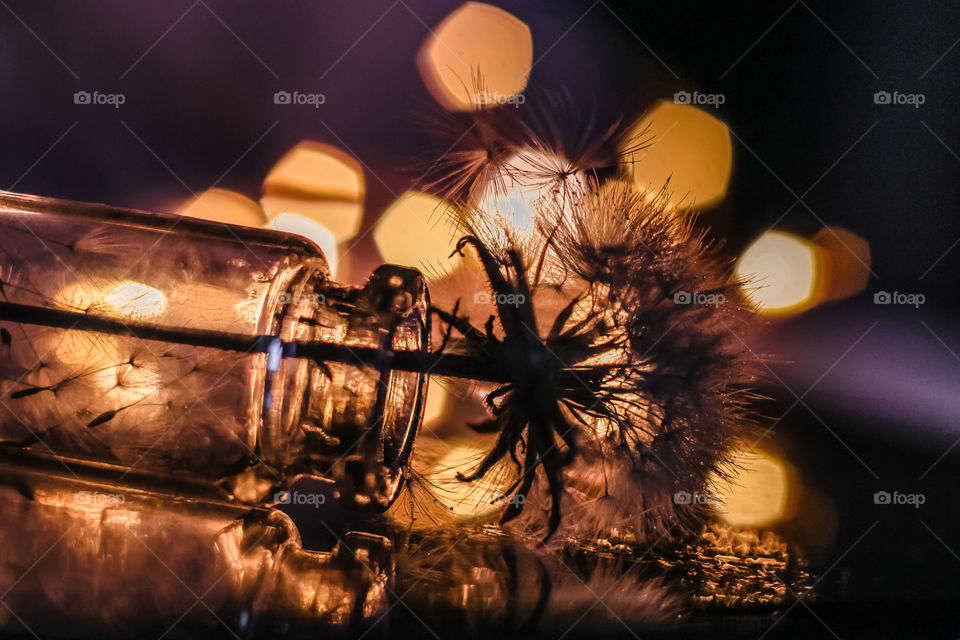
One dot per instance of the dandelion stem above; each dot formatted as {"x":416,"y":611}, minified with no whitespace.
{"x":452,"y":365}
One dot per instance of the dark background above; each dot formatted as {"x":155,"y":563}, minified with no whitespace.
{"x":880,"y":386}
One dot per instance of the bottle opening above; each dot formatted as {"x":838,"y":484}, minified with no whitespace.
{"x":355,"y":423}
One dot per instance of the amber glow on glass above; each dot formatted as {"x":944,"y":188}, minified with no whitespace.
{"x":135,"y":300}
{"x":436,"y":405}
{"x":177,"y":402}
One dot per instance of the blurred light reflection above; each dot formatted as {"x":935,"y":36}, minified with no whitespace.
{"x":526,"y":184}
{"x":135,"y":300}
{"x":466,"y":499}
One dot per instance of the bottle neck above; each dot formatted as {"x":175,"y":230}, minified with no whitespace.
{"x":350,"y":422}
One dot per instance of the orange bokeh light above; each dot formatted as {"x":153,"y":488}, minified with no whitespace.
{"x":846,"y":268}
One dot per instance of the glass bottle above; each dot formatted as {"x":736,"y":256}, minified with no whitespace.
{"x":177,"y":345}
{"x":92,"y":557}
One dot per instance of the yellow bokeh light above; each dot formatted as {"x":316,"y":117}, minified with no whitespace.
{"x":779,"y":272}
{"x":756,"y":494}
{"x":222,"y":205}
{"x":314,"y":170}
{"x":683,"y":145}
{"x":319,"y":182}
{"x":311,"y":230}
{"x":419,"y":230}
{"x":479,"y":55}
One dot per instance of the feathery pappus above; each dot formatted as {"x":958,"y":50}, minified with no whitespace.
{"x":617,"y":336}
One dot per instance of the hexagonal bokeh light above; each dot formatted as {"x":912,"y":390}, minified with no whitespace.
{"x":319,"y":182}
{"x":479,"y":55}
{"x":757,"y":492}
{"x":684,"y":148}
{"x":846,"y":269}
{"x":779,"y":272}
{"x":222,"y":205}
{"x":419,"y":230}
